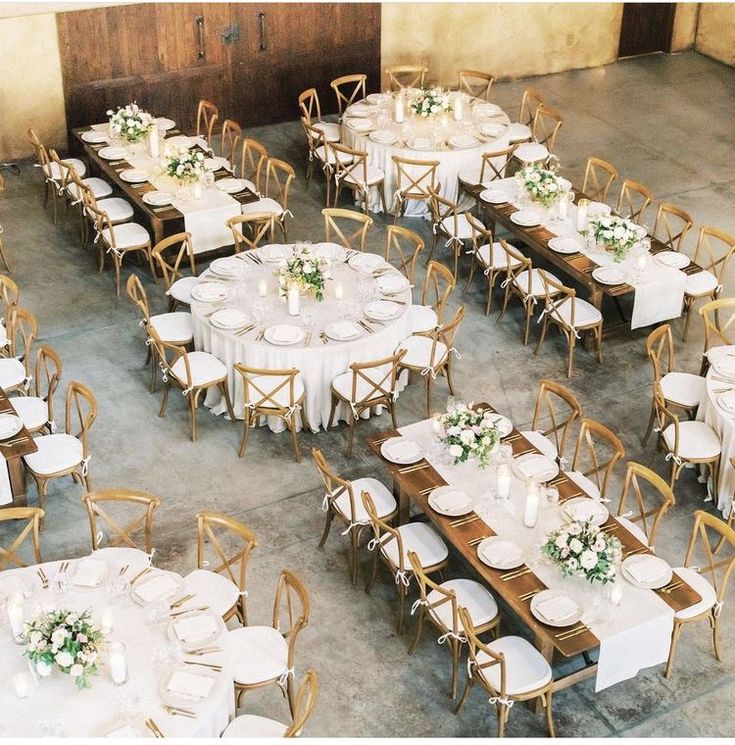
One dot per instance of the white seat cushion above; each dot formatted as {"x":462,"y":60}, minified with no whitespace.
{"x":99,"y":188}
{"x":329,"y":156}
{"x":282,"y":398}
{"x":463,"y":230}
{"x":342,"y":384}
{"x":498,"y":259}
{"x":12,"y":373}
{"x":32,"y":410}
{"x":181,"y":289}
{"x":54,"y":171}
{"x":585,"y":314}
{"x":701,"y":283}
{"x":55,"y":453}
{"x":470,"y":595}
{"x":384,"y":501}
{"x":177,"y":328}
{"x":257,"y":654}
{"x":685,"y":389}
{"x":118,"y":210}
{"x":422,"y":539}
{"x":251,"y":725}
{"x":265,"y":205}
{"x":531,"y":152}
{"x":633,"y":528}
{"x":542,"y":443}
{"x":330,"y":130}
{"x":205,"y":369}
{"x":128,"y":235}
{"x":374,"y":176}
{"x":3,"y":330}
{"x":423,"y":318}
{"x":537,"y":284}
{"x":700,"y":585}
{"x":526,"y":670}
{"x":584,"y":483}
{"x":418,"y":352}
{"x":697,"y":441}
{"x":212,"y":589}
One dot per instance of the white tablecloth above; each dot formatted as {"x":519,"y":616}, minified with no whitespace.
{"x":633,"y":636}
{"x":55,"y":707}
{"x":319,"y":363}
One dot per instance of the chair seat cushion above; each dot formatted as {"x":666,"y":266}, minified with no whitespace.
{"x":585,"y":314}
{"x":701,"y":283}
{"x":176,"y":328}
{"x":422,"y":539}
{"x":684,"y":389}
{"x":329,"y":156}
{"x":374,"y":176}
{"x":54,"y":171}
{"x":212,"y":589}
{"x":463,"y":229}
{"x":697,"y":441}
{"x":537,"y":284}
{"x":418,"y":352}
{"x":118,"y":210}
{"x":205,"y":369}
{"x":264,"y":205}
{"x":470,"y":595}
{"x":12,"y":373}
{"x":128,"y":235}
{"x":526,"y":670}
{"x":99,"y":188}
{"x":530,"y":152}
{"x":330,"y":130}
{"x":342,"y":384}
{"x":257,"y":654}
{"x":32,"y":410}
{"x":181,"y":289}
{"x":542,"y":443}
{"x":282,"y":398}
{"x":3,"y":330}
{"x":633,"y":528}
{"x":251,"y":725}
{"x":701,"y":585}
{"x":423,"y":318}
{"x":497,"y":258}
{"x":584,"y":483}
{"x":55,"y":453}
{"x":384,"y":501}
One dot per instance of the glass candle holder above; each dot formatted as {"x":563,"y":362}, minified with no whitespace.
{"x":117,"y":662}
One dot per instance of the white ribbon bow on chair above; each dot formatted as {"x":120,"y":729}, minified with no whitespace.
{"x":500,"y":700}
{"x":451,"y":635}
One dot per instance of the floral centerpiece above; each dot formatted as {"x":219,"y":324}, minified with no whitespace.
{"x":617,"y":234}
{"x":582,"y":549}
{"x":469,"y":434}
{"x":542,"y":185}
{"x":431,"y":102}
{"x":305,"y":270}
{"x":130,"y":123}
{"x":65,"y":638}
{"x":185,"y":166}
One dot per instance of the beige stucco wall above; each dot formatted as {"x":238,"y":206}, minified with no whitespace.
{"x":716,"y":31}
{"x":31,"y":93}
{"x":685,"y":26}
{"x":509,"y":40}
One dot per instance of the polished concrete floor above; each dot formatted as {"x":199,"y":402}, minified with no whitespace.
{"x":664,"y":121}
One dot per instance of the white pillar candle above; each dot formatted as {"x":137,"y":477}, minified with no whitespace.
{"x":582,"y":214}
{"x":641,"y":261}
{"x":530,"y":512}
{"x":503,"y":482}
{"x":117,"y":662}
{"x":262,"y":287}
{"x":294,"y":300}
{"x":339,"y":290}
{"x":20,"y":685}
{"x":197,"y":190}
{"x":616,"y":592}
{"x":398,"y":110}
{"x":106,"y":620}
{"x":153,"y":143}
{"x":15,"y":616}
{"x":563,"y":206}
{"x":458,"y":108}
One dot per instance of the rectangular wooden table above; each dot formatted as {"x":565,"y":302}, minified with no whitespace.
{"x":163,"y":221}
{"x":22,"y":444}
{"x":415,"y":486}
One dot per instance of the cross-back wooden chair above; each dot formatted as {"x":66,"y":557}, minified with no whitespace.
{"x":348,"y":89}
{"x":224,"y":546}
{"x":311,"y":110}
{"x":3,"y":255}
{"x":339,"y":224}
{"x":414,"y":179}
{"x":352,"y":171}
{"x":32,"y":517}
{"x":448,"y":221}
{"x":597,"y":452}
{"x":276,"y":393}
{"x":116,"y":530}
{"x":599,"y":176}
{"x":66,"y":176}
{"x":714,"y":251}
{"x":719,"y":326}
{"x":405,"y":245}
{"x":365,"y":386}
{"x":253,"y":157}
{"x":570,"y":314}
{"x":274,"y":200}
{"x":229,"y":140}
{"x":439,"y":605}
{"x":487,"y":255}
{"x":633,"y":200}
{"x":9,"y":296}
{"x":671,"y":226}
{"x":488,"y":665}
{"x":709,"y":576}
{"x":495,"y":164}
{"x":319,"y":154}
{"x":554,"y":415}
{"x":438,"y":287}
{"x":37,"y":410}
{"x":476,"y":83}
{"x":546,"y":125}
{"x":651,"y":498}
{"x":248,"y":231}
{"x":406,"y":76}
{"x":22,"y":332}
{"x":172,"y":255}
{"x":207,"y":115}
{"x":531,"y":102}
{"x":43,"y":161}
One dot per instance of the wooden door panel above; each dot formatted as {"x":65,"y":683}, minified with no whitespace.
{"x":646,"y":28}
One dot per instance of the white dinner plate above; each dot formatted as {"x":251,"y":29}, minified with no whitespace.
{"x":205,"y":680}
{"x":647,"y":570}
{"x":343,"y":330}
{"x":673,"y":259}
{"x":377,"y":98}
{"x":598,"y":208}
{"x":275,"y":252}
{"x":227,"y":266}
{"x":421,"y":144}
{"x":284,"y":334}
{"x":156,"y":586}
{"x":503,"y":424}
{"x":94,"y":137}
{"x":216,"y":164}
{"x":526,"y":218}
{"x":565,"y":245}
{"x":499,"y":553}
{"x":568,"y":611}
{"x":462,"y":142}
{"x":232,"y":185}
{"x":209,"y":292}
{"x":393,"y":284}
{"x":366,"y":263}
{"x":494,"y":195}
{"x":360,"y":125}
{"x":330,"y":251}
{"x":535,"y":467}
{"x":165,"y":124}
{"x":382,"y":310}
{"x":451,"y":502}
{"x":492,"y":129}
{"x":228,"y":319}
{"x":181,"y":142}
{"x":158,"y":198}
{"x":608,"y":275}
{"x":112,"y":152}
{"x":401,"y":451}
{"x":487,"y":109}
{"x":10,"y":425}
{"x":586,"y":510}
{"x":383,"y":136}
{"x":360,"y":109}
{"x":133,"y":175}
{"x":183,"y":629}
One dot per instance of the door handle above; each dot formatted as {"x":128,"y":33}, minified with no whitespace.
{"x":261,"y":28}
{"x":199,"y":20}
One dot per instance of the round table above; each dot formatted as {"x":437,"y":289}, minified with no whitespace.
{"x":379,"y":110}
{"x":54,"y":706}
{"x":319,"y":362}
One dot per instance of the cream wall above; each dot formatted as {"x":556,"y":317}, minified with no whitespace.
{"x":716,"y":31}
{"x":685,"y":26}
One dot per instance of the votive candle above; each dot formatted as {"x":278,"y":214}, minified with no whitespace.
{"x":530,"y":512}
{"x":118,"y":664}
{"x":106,"y":620}
{"x":503,"y":481}
{"x":262,"y":287}
{"x":582,"y":214}
{"x":15,"y":616}
{"x":20,"y":685}
{"x":339,"y":291}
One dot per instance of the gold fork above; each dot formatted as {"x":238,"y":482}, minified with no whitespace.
{"x":176,"y":712}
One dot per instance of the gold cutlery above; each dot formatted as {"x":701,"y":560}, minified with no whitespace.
{"x":564,"y":635}
{"x":10,"y":443}
{"x":609,"y":528}
{"x":123,"y":570}
{"x":64,"y":566}
{"x":384,"y":439}
{"x":324,"y":338}
{"x":43,"y":578}
{"x":204,"y":650}
{"x":529,"y":595}
{"x":189,"y":610}
{"x":139,"y":575}
{"x":722,"y":380}
{"x":416,"y":467}
{"x":154,"y":728}
{"x":178,"y":712}
{"x":671,"y":587}
{"x":464,"y":521}
{"x":515,"y":573}
{"x":525,"y":452}
{"x":307,"y":340}
{"x":183,"y":599}
{"x":245,"y":330}
{"x":216,"y":668}
{"x":477,"y":541}
{"x":260,"y":335}
{"x":427,"y":491}
{"x":636,"y":551}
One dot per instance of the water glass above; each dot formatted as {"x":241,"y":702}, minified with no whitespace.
{"x":308,"y":318}
{"x":552,"y":496}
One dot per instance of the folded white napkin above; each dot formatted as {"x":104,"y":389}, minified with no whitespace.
{"x":487,"y":109}
{"x":228,"y":317}
{"x":360,"y":109}
{"x":382,"y":309}
{"x":462,"y":141}
{"x":518,"y":131}
{"x":367,"y":262}
{"x":391,"y":283}
{"x":537,"y":467}
{"x":382,"y":135}
{"x":190,"y":684}
{"x":359,"y":125}
{"x":585,"y":510}
{"x":501,"y":552}
{"x":209,"y":290}
{"x":89,"y":572}
{"x":191,"y":628}
{"x":531,"y":151}
{"x":557,"y":608}
{"x":285,"y":333}
{"x":156,"y":588}
{"x":644,"y":570}
{"x":492,"y":129}
{"x":344,"y":329}
{"x":451,"y":500}
{"x":403,"y":449}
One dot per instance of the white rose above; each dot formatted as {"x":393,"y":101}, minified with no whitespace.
{"x":588,"y":559}
{"x":43,"y":668}
{"x":455,"y":451}
{"x":308,"y":268}
{"x":574,"y":529}
{"x":561,"y":541}
{"x":64,"y":659}
{"x":599,"y":544}
{"x":576,"y":545}
{"x":76,"y":671}
{"x":467,"y":437}
{"x":57,"y":638}
{"x":572,"y":564}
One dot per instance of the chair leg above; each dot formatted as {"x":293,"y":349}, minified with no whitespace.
{"x":550,"y":715}
{"x":327,"y":527}
{"x":117,"y":261}
{"x":688,"y":309}
{"x":544,"y":328}
{"x":4,"y":257}
{"x":291,"y":423}
{"x":401,"y":606}
{"x":42,"y":485}
{"x":429,"y":384}
{"x":164,"y":399}
{"x":448,"y":370}
{"x":193,"y":415}
{"x":651,"y":421}
{"x":529,"y":314}
{"x":245,"y":434}
{"x":332,"y":411}
{"x":465,"y":693}
{"x":354,"y":546}
{"x":433,"y":248}
{"x":471,"y":275}
{"x":502,"y":718}
{"x":570,"y":355}
{"x":222,"y":385}
{"x":455,"y":647}
{"x":419,"y":629}
{"x":672,"y":652}
{"x":351,"y":436}
{"x":715,"y":644}
{"x":374,"y":573}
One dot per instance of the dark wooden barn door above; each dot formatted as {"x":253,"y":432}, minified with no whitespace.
{"x":646,"y":28}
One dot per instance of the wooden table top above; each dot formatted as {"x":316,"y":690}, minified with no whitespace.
{"x":20,"y":444}
{"x":417,"y":485}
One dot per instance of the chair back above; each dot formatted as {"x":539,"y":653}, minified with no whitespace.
{"x":291,"y":610}
{"x":334,"y":484}
{"x":546,"y":125}
{"x":81,"y":411}
{"x":556,"y":296}
{"x":660,"y":350}
{"x":714,"y":250}
{"x":383,"y":534}
{"x":671,"y":226}
{"x":263,"y":390}
{"x":309,"y":105}
{"x":443,"y":336}
{"x":598,"y":450}
{"x":46,"y":377}
{"x":700,"y":554}
{"x":481,"y":236}
{"x":665,"y":417}
{"x":314,"y":140}
{"x":278,"y":178}
{"x":515,"y":264}
{"x":31,"y":516}
{"x":348,"y":89}
{"x":558,"y":406}
{"x":22,"y":332}
{"x":67,"y":172}
{"x":9,"y":295}
{"x":115,"y":515}
{"x":651,"y":497}
{"x":168,"y":355}
{"x":495,"y":164}
{"x":253,"y":157}
{"x":633,"y":200}
{"x":414,"y":178}
{"x":231,"y":136}
{"x":374,"y":383}
{"x":139,"y":296}
{"x":207,"y":115}
{"x":339,"y":224}
{"x":100,"y":220}
{"x":476,"y":83}
{"x":718,"y":316}
{"x":351,"y":167}
{"x":599,"y":176}
{"x":439,"y":284}
{"x":442,"y":597}
{"x":531,"y":101}
{"x":406,"y":245}
{"x":406,"y":76}
{"x":181,"y":253}
{"x":304,"y":702}
{"x":480,"y":657}
{"x":250,"y":229}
